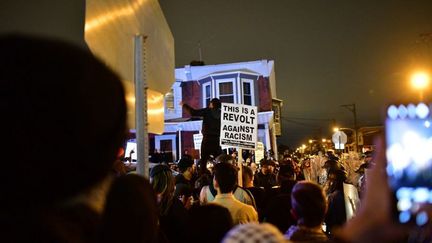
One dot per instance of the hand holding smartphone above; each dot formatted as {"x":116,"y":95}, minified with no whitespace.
{"x":409,"y":160}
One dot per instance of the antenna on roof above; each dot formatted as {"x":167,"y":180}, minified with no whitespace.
{"x":199,"y":51}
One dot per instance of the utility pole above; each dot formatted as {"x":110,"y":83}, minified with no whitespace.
{"x":352,"y":108}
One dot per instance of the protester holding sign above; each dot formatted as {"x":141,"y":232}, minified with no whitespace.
{"x":210,"y":129}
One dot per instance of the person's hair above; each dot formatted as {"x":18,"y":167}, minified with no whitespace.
{"x":226,"y":177}
{"x":286,"y":172}
{"x":216,"y":103}
{"x":130,"y":207}
{"x":247,"y":174}
{"x":225,"y":158}
{"x":331,"y":164}
{"x":336,"y":177}
{"x":267,"y":162}
{"x":220,"y":218}
{"x":185,"y":163}
{"x":64,"y":120}
{"x":309,"y":203}
{"x":163,"y":183}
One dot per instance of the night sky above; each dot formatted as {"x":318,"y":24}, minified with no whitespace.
{"x":327,"y":52}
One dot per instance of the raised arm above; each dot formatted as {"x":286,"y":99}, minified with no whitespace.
{"x":192,"y":111}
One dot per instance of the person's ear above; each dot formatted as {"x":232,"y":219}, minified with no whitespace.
{"x":215,"y":183}
{"x":293,"y":214}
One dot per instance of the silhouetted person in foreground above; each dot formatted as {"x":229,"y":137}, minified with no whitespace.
{"x":63,"y":121}
{"x":277,"y":209}
{"x":210,"y":223}
{"x":210,"y":129}
{"x":130,"y":213}
{"x":309,"y":206}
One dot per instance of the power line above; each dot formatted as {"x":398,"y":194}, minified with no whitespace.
{"x":309,"y":119}
{"x":300,"y":123}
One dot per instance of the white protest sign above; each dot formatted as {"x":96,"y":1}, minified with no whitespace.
{"x":352,"y":200}
{"x":259,"y":152}
{"x":197,"y":140}
{"x":239,"y":124}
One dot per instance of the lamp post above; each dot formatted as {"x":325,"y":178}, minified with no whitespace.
{"x":420,"y":81}
{"x":352,"y":108}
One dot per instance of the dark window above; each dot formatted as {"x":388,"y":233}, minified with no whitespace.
{"x":247,"y":94}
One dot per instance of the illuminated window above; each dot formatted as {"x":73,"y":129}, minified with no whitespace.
{"x":169,"y":100}
{"x":225,"y":91}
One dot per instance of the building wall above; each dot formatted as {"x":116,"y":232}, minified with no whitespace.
{"x":191,"y":95}
{"x":264,"y":94}
{"x":188,"y":144}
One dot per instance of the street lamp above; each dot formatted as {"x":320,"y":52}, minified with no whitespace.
{"x":420,"y":81}
{"x":303,"y":147}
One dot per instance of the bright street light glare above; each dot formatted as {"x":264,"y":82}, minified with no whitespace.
{"x":336,"y":129}
{"x":420,"y":80}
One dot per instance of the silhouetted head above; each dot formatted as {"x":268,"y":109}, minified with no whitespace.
{"x":308,"y":203}
{"x":64,"y":120}
{"x":130,"y":207}
{"x":215,"y":103}
{"x":220,"y":218}
{"x":225,"y":176}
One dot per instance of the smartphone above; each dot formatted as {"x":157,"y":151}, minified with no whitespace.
{"x":409,"y":159}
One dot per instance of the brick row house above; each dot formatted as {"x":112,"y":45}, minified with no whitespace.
{"x":250,"y":83}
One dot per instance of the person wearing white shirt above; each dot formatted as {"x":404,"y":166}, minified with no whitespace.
{"x":225,"y":181}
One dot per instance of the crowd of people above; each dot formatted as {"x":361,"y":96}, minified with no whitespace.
{"x":64,"y":123}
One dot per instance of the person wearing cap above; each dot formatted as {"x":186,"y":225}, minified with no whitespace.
{"x":210,"y":129}
{"x":266,"y":177}
{"x":254,"y":232}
